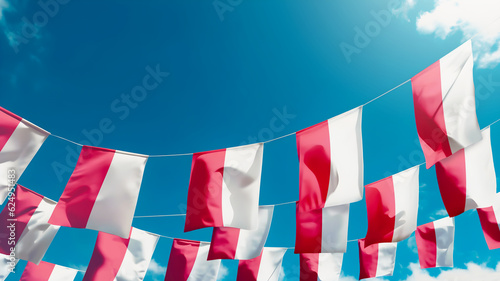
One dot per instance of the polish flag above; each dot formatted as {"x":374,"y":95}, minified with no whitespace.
{"x":392,"y":205}
{"x":240,"y":244}
{"x":376,"y":260}
{"x":490,"y":222}
{"x":322,"y":230}
{"x":444,"y":103}
{"x":7,"y":265}
{"x":265,"y":267}
{"x":47,"y":272}
{"x":224,"y":188}
{"x":435,"y":243}
{"x":320,"y":267}
{"x":19,"y":142}
{"x":467,"y":179}
{"x":116,"y":258}
{"x":331,"y":162}
{"x":26,"y":215}
{"x":102,"y":192}
{"x":188,"y":261}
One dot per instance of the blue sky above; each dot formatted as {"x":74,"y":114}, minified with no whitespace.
{"x":234,"y":72}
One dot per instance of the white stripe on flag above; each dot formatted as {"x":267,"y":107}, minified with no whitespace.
{"x":406,"y":186}
{"x":457,"y":89}
{"x":481,"y":181}
{"x":251,"y":242}
{"x":270,"y":264}
{"x":334,"y":229}
{"x":204,"y":269}
{"x":241,"y":186}
{"x":329,"y":266}
{"x":114,"y":206}
{"x":38,"y":234}
{"x":61,"y":273}
{"x":5,"y":266}
{"x":138,"y":256}
{"x":346,"y":156}
{"x":18,"y":152}
{"x":386,"y":259}
{"x":445,"y":233}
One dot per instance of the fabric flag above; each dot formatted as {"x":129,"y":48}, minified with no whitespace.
{"x":240,"y":244}
{"x":224,"y":188}
{"x":7,"y":265}
{"x":19,"y":142}
{"x":26,"y":217}
{"x":102,"y":192}
{"x":445,"y":107}
{"x":435,"y":243}
{"x":490,"y":222}
{"x":467,"y":179}
{"x":377,"y":259}
{"x":116,"y":258}
{"x":47,"y":272}
{"x":188,"y":261}
{"x":392,"y":205}
{"x":320,"y":267}
{"x":322,"y":230}
{"x":331,"y":162}
{"x":266,"y":267}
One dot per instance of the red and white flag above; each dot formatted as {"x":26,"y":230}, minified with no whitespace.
{"x":47,"y":272}
{"x":188,"y":261}
{"x":224,"y":188}
{"x":320,"y":266}
{"x":490,"y":222}
{"x":467,"y":179}
{"x":116,"y":258}
{"x":376,"y":260}
{"x":19,"y":142}
{"x":322,"y":230}
{"x":240,"y":244}
{"x":392,"y":206}
{"x":26,"y":215}
{"x":266,"y":267}
{"x":102,"y":192}
{"x":435,"y":243}
{"x":7,"y":265}
{"x":331,"y":162}
{"x":444,"y":103}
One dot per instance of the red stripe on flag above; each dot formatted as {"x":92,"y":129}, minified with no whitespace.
{"x":451,"y":176}
{"x":490,"y":226}
{"x":40,"y":272}
{"x":381,"y":208}
{"x":204,"y":205}
{"x":24,"y":205}
{"x":107,"y":258}
{"x":368,"y":260}
{"x":309,"y":226}
{"x":313,"y":145}
{"x":182,"y":258}
{"x":78,"y":199}
{"x":224,"y":243}
{"x":429,"y":115}
{"x":309,"y":265}
{"x":8,"y":124}
{"x":248,"y":270}
{"x":425,"y":236}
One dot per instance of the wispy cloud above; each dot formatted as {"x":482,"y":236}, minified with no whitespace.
{"x":405,"y":7}
{"x":472,"y":272}
{"x":412,"y":244}
{"x":223,"y":272}
{"x":156,"y":268}
{"x":479,"y":17}
{"x":439,"y":214}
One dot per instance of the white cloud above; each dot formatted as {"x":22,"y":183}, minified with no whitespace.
{"x":347,"y":278}
{"x":472,"y":272}
{"x":3,"y":6}
{"x":479,"y":17}
{"x":223,"y":272}
{"x":412,"y":244}
{"x":405,"y":7}
{"x":439,"y":214}
{"x":156,"y":268}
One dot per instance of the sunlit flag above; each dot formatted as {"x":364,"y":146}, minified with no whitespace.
{"x":377,"y":259}
{"x":265,"y":267}
{"x":490,"y":222}
{"x":320,"y":266}
{"x":47,"y":272}
{"x":435,"y":242}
